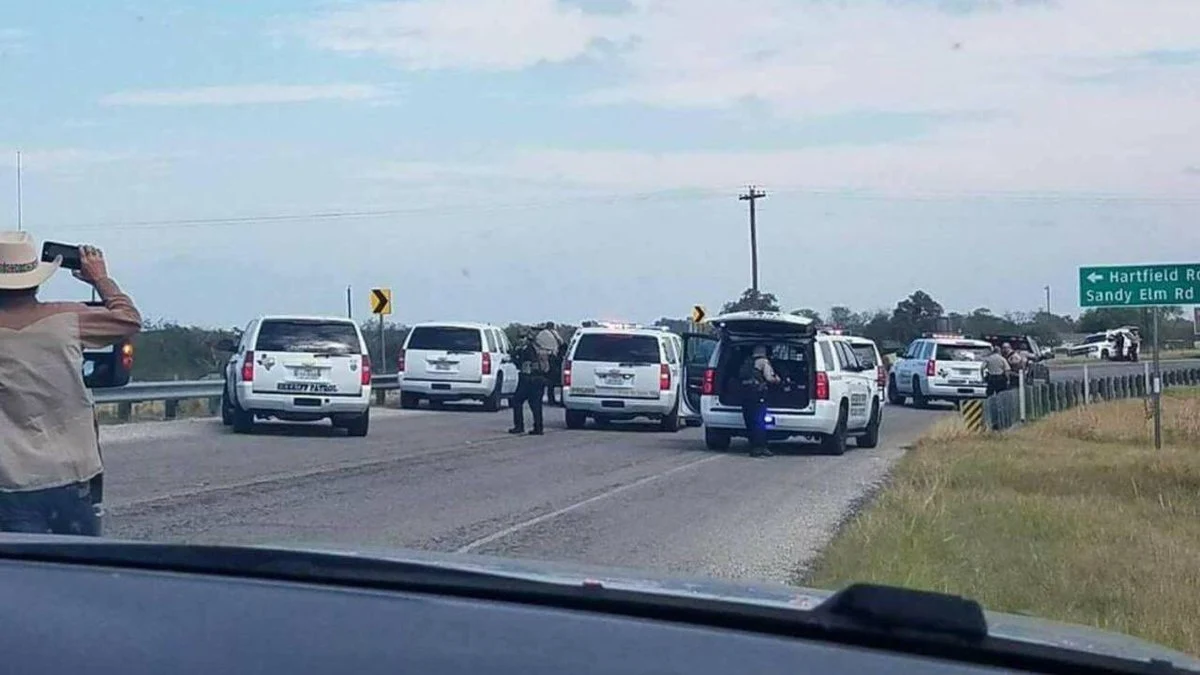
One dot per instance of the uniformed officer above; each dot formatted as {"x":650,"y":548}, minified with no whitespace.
{"x":757,"y":377}
{"x":996,"y":369}
{"x":548,"y":340}
{"x":533,"y":364}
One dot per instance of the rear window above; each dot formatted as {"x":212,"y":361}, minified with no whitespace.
{"x":866,"y":354}
{"x":962,"y":352}
{"x":446,"y":338}
{"x":309,"y":337}
{"x":617,"y":348}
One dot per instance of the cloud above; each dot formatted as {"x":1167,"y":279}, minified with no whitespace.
{"x":1079,"y":95}
{"x":252,"y":94}
{"x":489,"y":35}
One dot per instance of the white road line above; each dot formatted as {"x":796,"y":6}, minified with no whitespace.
{"x":484,"y":541}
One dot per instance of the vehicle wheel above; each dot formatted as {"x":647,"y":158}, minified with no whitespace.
{"x":409,"y":400}
{"x":717,"y":439}
{"x":492,"y":402}
{"x":871,"y":438}
{"x":359,"y":426}
{"x":243,"y":421}
{"x":918,"y":396}
{"x":835,"y":443}
{"x":670,"y":422}
{"x":893,"y":392}
{"x":226,"y":410}
{"x":576,"y":419}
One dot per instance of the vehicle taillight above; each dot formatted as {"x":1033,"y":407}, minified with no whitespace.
{"x":127,"y":357}
{"x":248,"y":367}
{"x":822,"y":386}
{"x":664,"y":377}
{"x":708,"y":386}
{"x":400,"y":362}
{"x":881,"y":376}
{"x":931,"y":367}
{"x":366,"y":370}
{"x":566,"y":376}
{"x":487,"y":363}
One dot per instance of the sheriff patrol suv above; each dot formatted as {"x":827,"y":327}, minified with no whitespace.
{"x":298,"y":369}
{"x":623,"y":371}
{"x":829,"y":393}
{"x":939,"y":367}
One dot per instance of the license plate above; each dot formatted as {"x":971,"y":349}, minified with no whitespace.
{"x":308,"y":373}
{"x":614,"y":381}
{"x":441,"y":366}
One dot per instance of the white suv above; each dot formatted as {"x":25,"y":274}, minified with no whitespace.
{"x":829,"y":394}
{"x":454,"y":361}
{"x":946,"y":368}
{"x":619,"y":372}
{"x":299,"y":369}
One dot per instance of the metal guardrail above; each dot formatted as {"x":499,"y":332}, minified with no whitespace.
{"x":140,"y":392}
{"x":1036,"y":399}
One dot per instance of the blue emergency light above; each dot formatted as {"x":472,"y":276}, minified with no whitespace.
{"x":768,"y":419}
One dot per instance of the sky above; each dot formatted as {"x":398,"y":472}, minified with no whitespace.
{"x":518,"y":160}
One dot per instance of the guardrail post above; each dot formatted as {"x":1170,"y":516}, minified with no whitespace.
{"x":380,"y":396}
{"x":214,"y":405}
{"x":1087,"y":386}
{"x":1021,"y":393}
{"x":124,"y":411}
{"x":171,"y":408}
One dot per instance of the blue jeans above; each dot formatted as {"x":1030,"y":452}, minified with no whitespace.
{"x":61,"y":510}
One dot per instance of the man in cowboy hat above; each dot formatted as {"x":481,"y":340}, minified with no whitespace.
{"x":49,"y":450}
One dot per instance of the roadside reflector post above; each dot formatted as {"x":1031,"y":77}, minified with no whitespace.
{"x":1146,"y":369}
{"x":1021,"y":393}
{"x":972,"y":412}
{"x":1087,"y":386}
{"x":1157,"y":387}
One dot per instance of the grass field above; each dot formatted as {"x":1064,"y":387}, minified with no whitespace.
{"x":1075,"y":518}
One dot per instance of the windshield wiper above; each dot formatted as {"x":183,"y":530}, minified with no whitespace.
{"x":863,"y":615}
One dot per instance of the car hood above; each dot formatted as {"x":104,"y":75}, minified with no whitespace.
{"x":1001,"y":625}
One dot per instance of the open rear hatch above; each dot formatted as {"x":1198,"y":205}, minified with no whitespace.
{"x":790,"y":340}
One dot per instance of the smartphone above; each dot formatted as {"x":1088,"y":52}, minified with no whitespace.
{"x":69,"y":253}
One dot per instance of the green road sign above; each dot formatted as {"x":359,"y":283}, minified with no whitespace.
{"x":1139,"y":285}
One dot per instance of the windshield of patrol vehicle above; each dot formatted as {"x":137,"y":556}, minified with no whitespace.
{"x":617,"y":348}
{"x":307,"y":336}
{"x":446,"y":338}
{"x":579,"y":282}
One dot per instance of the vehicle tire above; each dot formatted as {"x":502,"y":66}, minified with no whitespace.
{"x":243,"y":421}
{"x":835,"y":443}
{"x":575,"y":419}
{"x":670,"y":422}
{"x":410,"y":400}
{"x":226,"y":409}
{"x":918,"y":396}
{"x":717,"y":439}
{"x":871,"y":438}
{"x":358,"y":426}
{"x":492,"y":402}
{"x":893,"y":392}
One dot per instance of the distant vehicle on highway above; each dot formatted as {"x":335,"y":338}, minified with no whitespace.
{"x":831,"y":394}
{"x":939,"y":367}
{"x":1103,"y":345}
{"x":456,"y":361}
{"x":618,"y":372}
{"x":298,"y":369}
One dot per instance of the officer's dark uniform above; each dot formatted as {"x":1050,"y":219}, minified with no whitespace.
{"x":531,"y":387}
{"x":755,"y":379}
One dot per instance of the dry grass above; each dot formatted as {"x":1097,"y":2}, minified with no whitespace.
{"x":1075,"y":518}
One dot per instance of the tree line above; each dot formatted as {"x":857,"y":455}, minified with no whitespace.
{"x":167,"y":351}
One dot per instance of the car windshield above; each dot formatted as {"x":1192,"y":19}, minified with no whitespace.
{"x":493,"y":279}
{"x":617,"y":348}
{"x":307,"y":337}
{"x":445,"y":338}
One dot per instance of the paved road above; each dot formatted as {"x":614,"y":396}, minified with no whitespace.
{"x":454,"y":481}
{"x":1074,"y":371}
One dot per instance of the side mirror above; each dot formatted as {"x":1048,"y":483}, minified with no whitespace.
{"x":108,"y":368}
{"x":226,"y":345}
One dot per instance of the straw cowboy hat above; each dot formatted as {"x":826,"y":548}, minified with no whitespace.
{"x":21,"y":267}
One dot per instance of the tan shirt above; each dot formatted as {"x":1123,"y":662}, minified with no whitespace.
{"x":47,"y":432}
{"x":763,"y":365}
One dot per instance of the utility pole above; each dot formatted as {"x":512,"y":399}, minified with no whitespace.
{"x":1047,"y":299}
{"x":19,"y":223}
{"x":751,"y":195}
{"x":349,"y":305}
